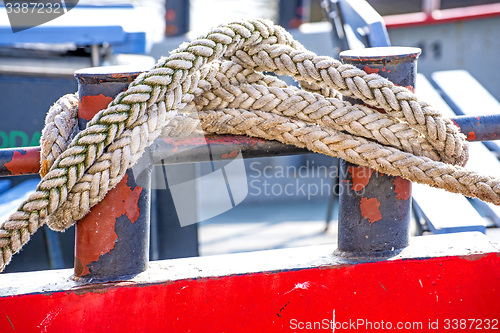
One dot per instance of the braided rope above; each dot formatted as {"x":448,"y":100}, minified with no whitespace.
{"x":219,"y":75}
{"x":274,"y":96}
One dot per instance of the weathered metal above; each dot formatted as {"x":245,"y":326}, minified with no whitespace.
{"x":222,"y":147}
{"x":479,"y":128}
{"x":112,"y":240}
{"x":26,"y":160}
{"x":374,"y":208}
{"x":19,"y":161}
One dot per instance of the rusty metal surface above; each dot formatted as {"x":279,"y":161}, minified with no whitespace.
{"x":113,"y":239}
{"x":479,"y":128}
{"x":222,"y":147}
{"x":98,"y":86}
{"x":19,"y":161}
{"x":374,"y":208}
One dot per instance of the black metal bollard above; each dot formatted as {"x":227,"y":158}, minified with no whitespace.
{"x":112,"y":240}
{"x":374,"y":208}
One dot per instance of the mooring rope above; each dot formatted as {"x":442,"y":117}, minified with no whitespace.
{"x":220,"y":75}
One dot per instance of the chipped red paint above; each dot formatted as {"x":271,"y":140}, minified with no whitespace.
{"x":96,"y":231}
{"x":360,"y":177}
{"x":370,"y":70}
{"x":24,"y":161}
{"x":471,"y":136}
{"x":234,"y":153}
{"x":89,"y":249}
{"x":370,"y":209}
{"x":402,"y":188}
{"x":411,"y":290}
{"x":90,"y":105}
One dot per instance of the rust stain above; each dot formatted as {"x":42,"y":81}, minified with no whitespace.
{"x":90,"y":105}
{"x":402,"y":188}
{"x":471,"y":136}
{"x":371,"y":70}
{"x":24,"y":161}
{"x":360,"y":177}
{"x":122,"y":77}
{"x":370,"y":209}
{"x":131,"y":204}
{"x":234,"y":153}
{"x":96,"y":231}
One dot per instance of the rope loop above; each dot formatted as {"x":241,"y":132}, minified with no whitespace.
{"x":216,"y":84}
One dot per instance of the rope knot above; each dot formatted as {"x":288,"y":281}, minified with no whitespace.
{"x":217,"y":81}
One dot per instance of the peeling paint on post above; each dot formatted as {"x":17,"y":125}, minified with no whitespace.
{"x":374,"y":209}
{"x":112,"y":240}
{"x":19,"y":161}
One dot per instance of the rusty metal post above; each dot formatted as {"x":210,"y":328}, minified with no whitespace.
{"x":374,"y":208}
{"x":112,"y":240}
